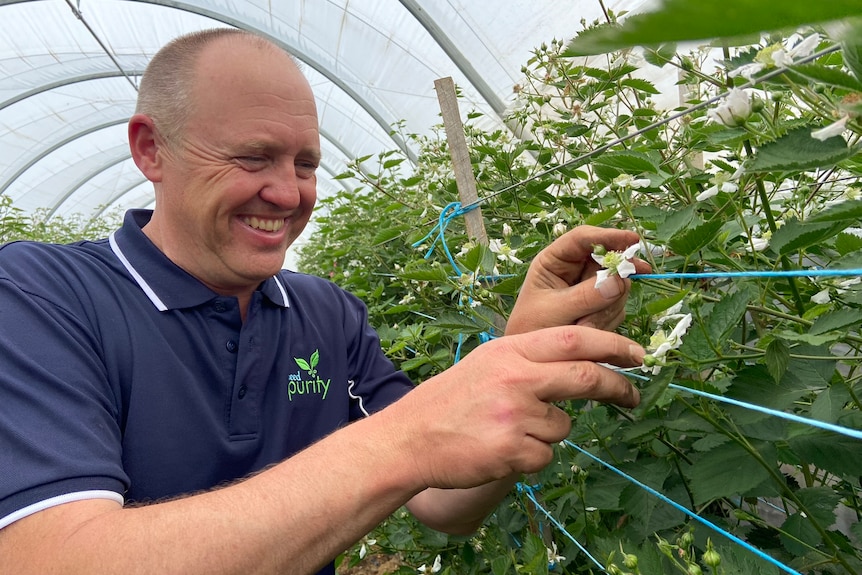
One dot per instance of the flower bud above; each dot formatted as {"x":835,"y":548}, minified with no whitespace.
{"x":630,"y":561}
{"x":712,"y":558}
{"x":599,"y":250}
{"x":694,"y":569}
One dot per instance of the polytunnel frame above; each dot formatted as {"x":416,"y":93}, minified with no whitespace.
{"x":374,"y":109}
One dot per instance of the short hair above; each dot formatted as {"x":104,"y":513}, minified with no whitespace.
{"x":165,"y":91}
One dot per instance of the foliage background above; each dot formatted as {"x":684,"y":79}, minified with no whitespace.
{"x":755,"y":194}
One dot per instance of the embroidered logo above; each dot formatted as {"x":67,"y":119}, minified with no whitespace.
{"x":308,"y":383}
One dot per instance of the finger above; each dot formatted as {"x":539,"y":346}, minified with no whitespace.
{"x":566,"y":256}
{"x":575,"y":343}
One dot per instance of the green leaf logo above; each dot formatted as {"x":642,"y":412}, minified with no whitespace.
{"x":309,"y":365}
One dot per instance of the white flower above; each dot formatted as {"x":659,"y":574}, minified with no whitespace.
{"x":434,"y":568}
{"x":721,"y":182}
{"x":832,"y":130}
{"x":407,"y":299}
{"x":504,"y":251}
{"x":628,"y":181}
{"x":559,"y":229}
{"x":734,"y":111}
{"x":821,"y":297}
{"x":661,"y":343}
{"x":650,"y":248}
{"x":779,"y":55}
{"x":507,"y":230}
{"x":757,"y":244}
{"x":618,"y":263}
{"x":553,"y":557}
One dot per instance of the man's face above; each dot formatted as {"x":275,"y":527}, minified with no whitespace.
{"x":240,"y":185}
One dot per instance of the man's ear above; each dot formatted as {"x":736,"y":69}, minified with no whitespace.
{"x":146,"y":146}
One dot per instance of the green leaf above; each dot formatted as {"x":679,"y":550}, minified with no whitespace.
{"x":797,"y":534}
{"x":797,"y":150}
{"x":727,"y":313}
{"x":392,"y":163}
{"x":851,"y":47}
{"x":820,"y":503}
{"x":661,"y":55}
{"x":847,"y":243}
{"x":849,"y":210}
{"x":630,"y":162}
{"x":777,"y":356}
{"x":315,"y":357}
{"x":598,"y":218}
{"x":685,"y":20}
{"x":426,"y":274}
{"x":386,"y":235}
{"x":302,"y":363}
{"x":836,"y":320}
{"x":673,"y":223}
{"x":724,"y":471}
{"x":829,"y":75}
{"x":657,"y":306}
{"x":509,"y":286}
{"x":795,"y":235}
{"x":693,"y":239}
{"x":457,"y":322}
{"x":832,"y":452}
{"x":653,"y":391}
{"x":640,"y":84}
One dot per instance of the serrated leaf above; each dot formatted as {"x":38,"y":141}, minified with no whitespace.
{"x":847,"y":243}
{"x":629,"y":162}
{"x":851,"y":48}
{"x":820,"y":502}
{"x":392,"y":163}
{"x":725,"y":471}
{"x":652,"y":391}
{"x":795,"y":235}
{"x":828,"y":75}
{"x":849,"y":210}
{"x":797,"y":534}
{"x":812,"y":339}
{"x":683,"y":20}
{"x":640,"y":84}
{"x":509,"y":286}
{"x":457,"y":322}
{"x":673,"y":223}
{"x":693,"y":239}
{"x":777,"y":356}
{"x":838,"y":454}
{"x":796,"y":151}
{"x":837,"y":320}
{"x":727,"y":314}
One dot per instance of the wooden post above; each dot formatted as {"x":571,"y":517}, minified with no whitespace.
{"x":461,"y":164}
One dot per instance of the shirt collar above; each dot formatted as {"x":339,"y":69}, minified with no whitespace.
{"x":167,"y":285}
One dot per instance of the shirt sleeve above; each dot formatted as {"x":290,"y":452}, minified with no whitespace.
{"x":59,"y":417}
{"x":374,"y":382}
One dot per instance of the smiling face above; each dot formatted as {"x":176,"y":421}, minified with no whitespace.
{"x":238,"y":186}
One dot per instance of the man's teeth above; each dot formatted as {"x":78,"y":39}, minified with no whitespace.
{"x":263,"y":224}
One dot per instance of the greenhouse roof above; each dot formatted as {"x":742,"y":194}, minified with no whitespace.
{"x":69,"y":72}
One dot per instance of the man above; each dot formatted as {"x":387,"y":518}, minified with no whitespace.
{"x":171,"y":402}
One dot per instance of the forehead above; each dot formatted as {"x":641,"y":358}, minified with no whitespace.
{"x":254,"y":86}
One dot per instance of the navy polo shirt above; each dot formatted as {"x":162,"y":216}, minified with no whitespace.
{"x":125,"y":377}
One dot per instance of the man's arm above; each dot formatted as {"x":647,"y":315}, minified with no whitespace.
{"x":487,"y":419}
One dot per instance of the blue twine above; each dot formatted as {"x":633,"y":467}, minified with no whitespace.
{"x":854,"y":433}
{"x":686,"y":511}
{"x":450,"y":212}
{"x":528,"y":491}
{"x":748,"y":274}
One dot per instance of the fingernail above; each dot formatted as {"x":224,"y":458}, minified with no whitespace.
{"x":610,"y":288}
{"x":637,"y":353}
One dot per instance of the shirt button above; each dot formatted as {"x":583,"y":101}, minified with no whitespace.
{"x":231,"y":346}
{"x":243,"y":389}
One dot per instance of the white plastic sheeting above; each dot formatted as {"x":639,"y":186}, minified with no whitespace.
{"x":69,"y":70}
